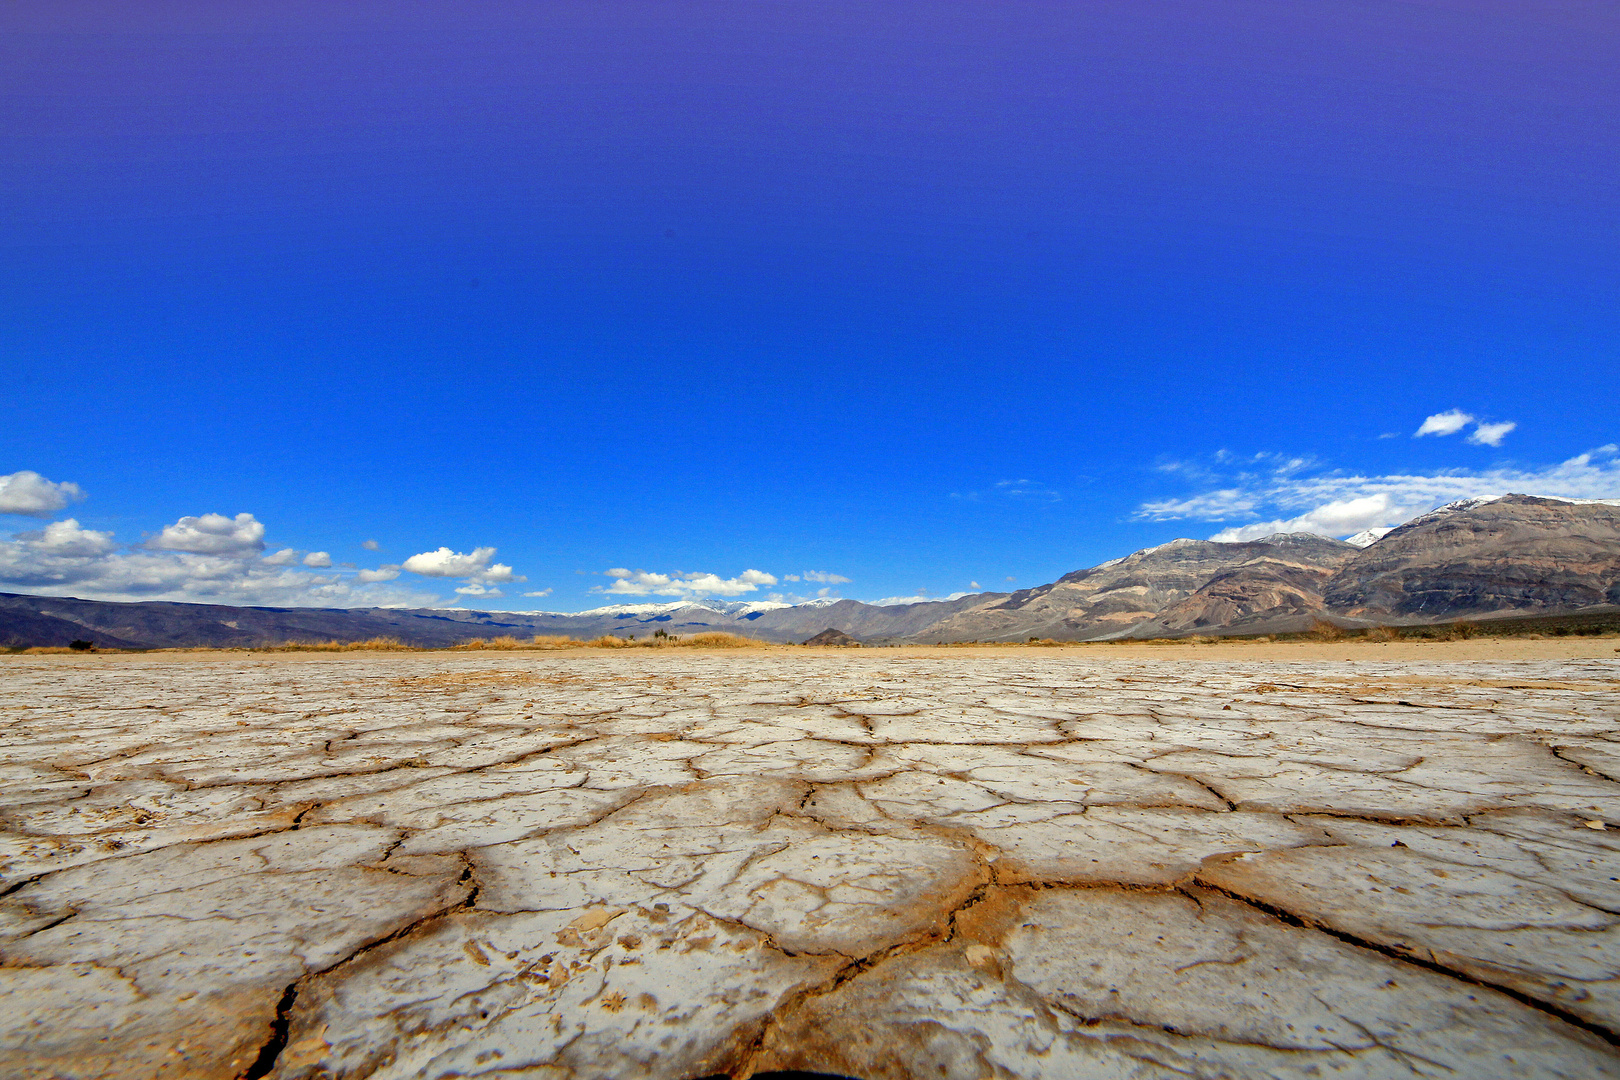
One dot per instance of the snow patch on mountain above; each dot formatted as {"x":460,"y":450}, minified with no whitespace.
{"x":1182,"y":542}
{"x":1368,"y":537}
{"x":1450,"y":508}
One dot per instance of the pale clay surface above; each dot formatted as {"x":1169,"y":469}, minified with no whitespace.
{"x":880,"y":864}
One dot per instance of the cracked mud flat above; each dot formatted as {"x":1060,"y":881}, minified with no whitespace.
{"x":883,"y":865}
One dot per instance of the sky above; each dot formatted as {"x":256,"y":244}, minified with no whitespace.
{"x":550,"y":305}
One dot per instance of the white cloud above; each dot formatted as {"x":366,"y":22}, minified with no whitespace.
{"x":212,"y":534}
{"x":1446,"y":423}
{"x":1336,"y":504}
{"x":542,"y":592}
{"x":1491,"y":434}
{"x":823,"y":577}
{"x":475,"y":570}
{"x":284,"y":557}
{"x":1339,"y":518}
{"x":447,"y":563}
{"x":1028,"y":490}
{"x":319,"y":560}
{"x":31,"y":495}
{"x":65,"y":539}
{"x":974,"y":585}
{"x":382,"y":573}
{"x":919,"y":598}
{"x":371,"y":545}
{"x":642,"y":583}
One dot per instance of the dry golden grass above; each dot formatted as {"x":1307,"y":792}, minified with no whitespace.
{"x":505,"y":641}
{"x":716,"y":639}
{"x":553,"y":641}
{"x":385,"y":644}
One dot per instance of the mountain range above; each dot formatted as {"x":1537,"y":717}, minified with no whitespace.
{"x":1515,"y":555}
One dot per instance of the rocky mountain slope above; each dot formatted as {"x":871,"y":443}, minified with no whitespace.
{"x":1260,"y":596}
{"x":1514,"y":555}
{"x":1517,"y":554}
{"x":1119,"y":596}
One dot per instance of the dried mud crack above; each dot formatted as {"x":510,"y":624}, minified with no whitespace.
{"x":873,"y":865}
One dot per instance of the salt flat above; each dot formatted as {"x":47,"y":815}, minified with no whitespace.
{"x":885,"y":864}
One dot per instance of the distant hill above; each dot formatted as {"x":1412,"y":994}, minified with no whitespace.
{"x":830,"y":636}
{"x":1516,"y":555}
{"x":48,"y":620}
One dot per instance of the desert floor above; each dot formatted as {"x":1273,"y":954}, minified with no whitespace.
{"x":1251,"y":860}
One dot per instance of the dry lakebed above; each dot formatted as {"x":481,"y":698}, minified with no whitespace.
{"x":880,"y":863}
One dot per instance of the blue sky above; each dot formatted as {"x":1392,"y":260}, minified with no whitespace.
{"x":926,"y":297}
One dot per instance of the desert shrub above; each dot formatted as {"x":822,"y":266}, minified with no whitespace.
{"x":1322,"y":630}
{"x":1382,"y":633}
{"x":554,"y":641}
{"x":389,"y":644}
{"x":80,"y":645}
{"x":505,"y":641}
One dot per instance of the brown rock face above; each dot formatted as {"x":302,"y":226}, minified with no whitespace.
{"x":1265,"y":589}
{"x":1516,"y":554}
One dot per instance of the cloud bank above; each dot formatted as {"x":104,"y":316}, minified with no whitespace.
{"x":642,"y":583}
{"x":1336,"y":504}
{"x":207,"y":558}
{"x":66,"y":559}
